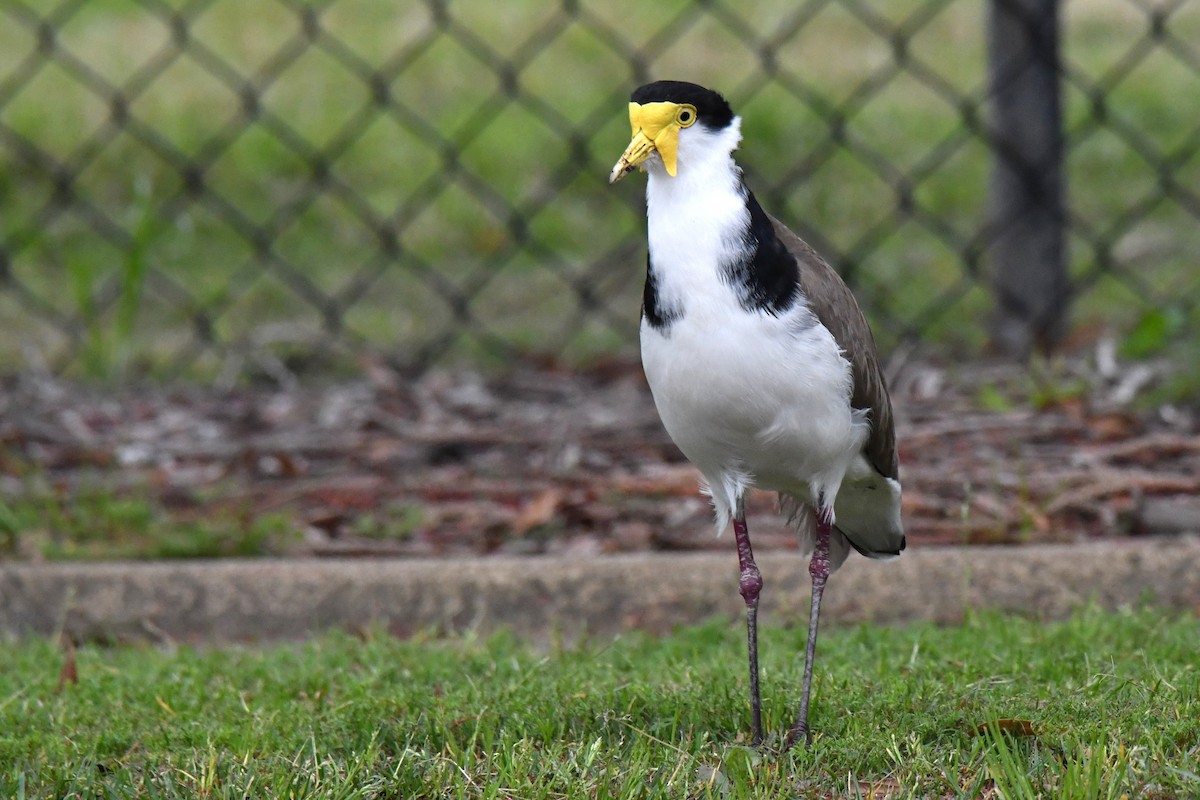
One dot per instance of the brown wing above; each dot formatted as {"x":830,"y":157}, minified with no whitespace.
{"x":832,"y":301}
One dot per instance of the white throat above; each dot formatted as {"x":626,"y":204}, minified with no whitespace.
{"x":704,"y":157}
{"x":695,"y":220}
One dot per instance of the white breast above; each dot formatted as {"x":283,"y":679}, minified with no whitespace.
{"x":750,"y":398}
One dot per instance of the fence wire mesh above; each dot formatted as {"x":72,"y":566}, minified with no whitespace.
{"x":222,"y":187}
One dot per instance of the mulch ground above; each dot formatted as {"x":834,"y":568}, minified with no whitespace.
{"x":560,"y":461}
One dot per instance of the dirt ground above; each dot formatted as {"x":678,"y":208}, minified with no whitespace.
{"x":546,"y":460}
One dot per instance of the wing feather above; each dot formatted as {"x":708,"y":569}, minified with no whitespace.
{"x":832,"y":301}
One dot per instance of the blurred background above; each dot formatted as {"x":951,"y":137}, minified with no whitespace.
{"x":194,"y":188}
{"x":221,"y":195}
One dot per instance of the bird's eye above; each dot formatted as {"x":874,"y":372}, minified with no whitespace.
{"x":685,"y":116}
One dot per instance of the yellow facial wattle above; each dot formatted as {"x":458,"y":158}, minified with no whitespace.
{"x":656,"y":129}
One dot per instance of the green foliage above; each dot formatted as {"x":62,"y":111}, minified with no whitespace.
{"x":990,"y":398}
{"x":1154,"y":332}
{"x":107,"y":302}
{"x":1094,"y":707}
{"x":396,"y":521}
{"x":91,"y":523}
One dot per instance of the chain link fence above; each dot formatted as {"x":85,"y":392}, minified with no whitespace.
{"x":213,"y":187}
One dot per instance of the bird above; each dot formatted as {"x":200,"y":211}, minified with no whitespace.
{"x":762,"y":367}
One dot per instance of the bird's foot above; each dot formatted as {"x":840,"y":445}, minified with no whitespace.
{"x":799,"y":732}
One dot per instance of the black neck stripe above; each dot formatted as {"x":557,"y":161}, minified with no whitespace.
{"x":765,"y":274}
{"x":660,"y":315}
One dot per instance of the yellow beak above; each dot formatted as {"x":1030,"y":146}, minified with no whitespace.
{"x":655,"y":130}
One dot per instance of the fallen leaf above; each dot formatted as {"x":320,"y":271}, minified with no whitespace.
{"x":1113,"y":426}
{"x":538,"y":511}
{"x":1009,"y":725}
{"x":70,"y":671}
{"x":880,"y":789}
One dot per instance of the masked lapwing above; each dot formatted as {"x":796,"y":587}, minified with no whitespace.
{"x":763,"y":369}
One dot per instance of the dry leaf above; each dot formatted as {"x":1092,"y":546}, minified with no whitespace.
{"x":1113,"y":426}
{"x":1009,"y":725}
{"x":538,"y":511}
{"x":70,"y":670}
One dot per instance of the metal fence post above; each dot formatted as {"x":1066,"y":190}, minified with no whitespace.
{"x":1026,"y":224}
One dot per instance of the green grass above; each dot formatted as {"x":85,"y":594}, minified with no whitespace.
{"x":1102,"y":705}
{"x":132,"y":296}
{"x":95,"y":523}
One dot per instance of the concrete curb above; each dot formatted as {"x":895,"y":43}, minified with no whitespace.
{"x":239,"y":600}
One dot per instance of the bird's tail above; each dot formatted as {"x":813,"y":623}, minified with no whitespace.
{"x":804,"y":519}
{"x":881,"y":543}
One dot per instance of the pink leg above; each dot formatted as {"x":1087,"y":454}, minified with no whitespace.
{"x":750,"y":584}
{"x":818,"y":568}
